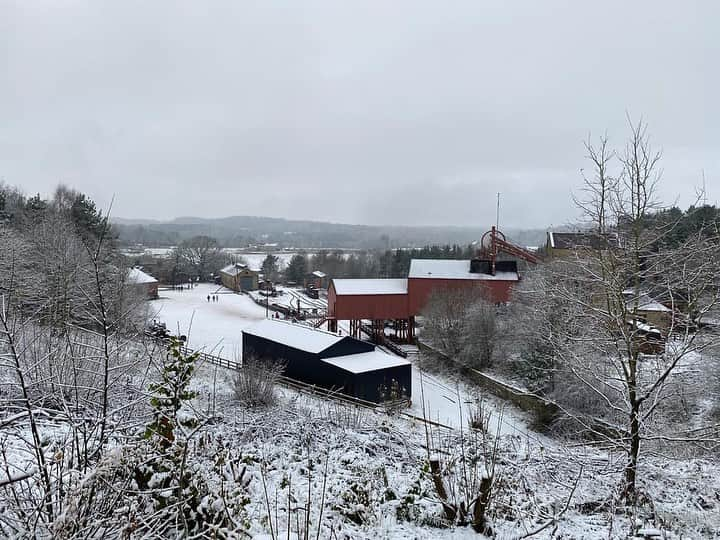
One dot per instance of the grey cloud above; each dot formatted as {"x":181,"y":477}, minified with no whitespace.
{"x":391,"y":112}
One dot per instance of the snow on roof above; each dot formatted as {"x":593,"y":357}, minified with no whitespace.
{"x":587,"y":239}
{"x":370,"y":286}
{"x":453,"y":269}
{"x":318,"y":273}
{"x":644,"y":302}
{"x":368,"y":361}
{"x":293,"y":335}
{"x":138,"y":277}
{"x":234,"y":269}
{"x":644,"y":327}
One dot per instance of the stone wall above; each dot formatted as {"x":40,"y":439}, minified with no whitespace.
{"x":543,"y":410}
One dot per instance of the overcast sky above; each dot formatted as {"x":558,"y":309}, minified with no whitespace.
{"x":384,"y":112}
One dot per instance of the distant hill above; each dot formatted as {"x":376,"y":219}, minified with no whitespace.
{"x":241,"y":231}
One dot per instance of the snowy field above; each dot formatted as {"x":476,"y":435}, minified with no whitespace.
{"x":366,"y":449}
{"x":216,"y":327}
{"x":362,"y":474}
{"x":253,"y":259}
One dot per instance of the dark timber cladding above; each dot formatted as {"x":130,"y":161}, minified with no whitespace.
{"x":349,"y":365}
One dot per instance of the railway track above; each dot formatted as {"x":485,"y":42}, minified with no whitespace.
{"x":314,"y":304}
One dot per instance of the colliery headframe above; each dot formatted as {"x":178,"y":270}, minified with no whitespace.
{"x":494,"y":270}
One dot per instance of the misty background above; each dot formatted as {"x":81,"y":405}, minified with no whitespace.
{"x":399,"y":113}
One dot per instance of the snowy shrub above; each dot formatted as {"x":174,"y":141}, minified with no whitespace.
{"x":416,"y":505}
{"x":255,"y":382}
{"x":536,"y":366}
{"x":573,"y":393}
{"x":479,"y":416}
{"x":135,"y":493}
{"x":345,"y":416}
{"x":357,"y":502}
{"x":171,"y":484}
{"x":461,"y":325}
{"x":161,"y":479}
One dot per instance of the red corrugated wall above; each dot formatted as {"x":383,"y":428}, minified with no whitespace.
{"x":367,"y":306}
{"x":420,"y":289}
{"x":402,"y":306}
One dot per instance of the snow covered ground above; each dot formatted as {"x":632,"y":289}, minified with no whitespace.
{"x":374,"y":461}
{"x":375,"y":488}
{"x":214,"y":327}
{"x":254,"y":259}
{"x":363,"y":474}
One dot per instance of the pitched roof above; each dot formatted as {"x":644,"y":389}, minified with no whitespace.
{"x":644,"y":302}
{"x":297,"y":336}
{"x":138,"y":277}
{"x":644,"y":327}
{"x":234,"y":269}
{"x":577,"y":240}
{"x":318,"y":273}
{"x":453,"y":269}
{"x":367,"y":361}
{"x":370,"y":286}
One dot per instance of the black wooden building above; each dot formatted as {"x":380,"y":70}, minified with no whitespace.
{"x":343,"y":363}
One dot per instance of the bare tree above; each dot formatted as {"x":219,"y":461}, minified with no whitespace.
{"x":67,"y":335}
{"x":603,"y":346}
{"x":200,"y":256}
{"x":462,"y":325}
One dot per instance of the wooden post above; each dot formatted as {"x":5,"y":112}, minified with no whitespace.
{"x":480,"y":524}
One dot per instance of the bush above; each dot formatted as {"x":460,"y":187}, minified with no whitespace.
{"x":462,"y":325}
{"x":255,"y":382}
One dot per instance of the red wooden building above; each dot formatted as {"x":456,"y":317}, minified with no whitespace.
{"x":145,"y":285}
{"x":376,"y":300}
{"x":401,"y":300}
{"x":429,"y":275}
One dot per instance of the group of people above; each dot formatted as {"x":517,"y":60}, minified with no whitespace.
{"x":213,"y":298}
{"x":184,"y":286}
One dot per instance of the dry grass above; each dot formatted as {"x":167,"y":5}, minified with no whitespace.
{"x":255,"y":382}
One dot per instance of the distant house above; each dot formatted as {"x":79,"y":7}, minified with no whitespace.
{"x":239,"y":277}
{"x":646,"y":339}
{"x":353,"y":367}
{"x":641,"y":306}
{"x":144,"y":283}
{"x":316,"y":279}
{"x":563,"y":244}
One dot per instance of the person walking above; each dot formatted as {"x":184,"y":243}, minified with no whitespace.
{"x":208,"y":298}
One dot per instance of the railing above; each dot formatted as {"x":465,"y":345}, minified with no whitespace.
{"x":213,"y":359}
{"x":392,"y":347}
{"x":325,"y":318}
